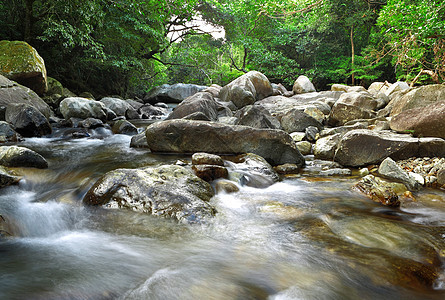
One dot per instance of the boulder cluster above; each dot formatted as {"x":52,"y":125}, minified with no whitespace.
{"x":393,"y":130}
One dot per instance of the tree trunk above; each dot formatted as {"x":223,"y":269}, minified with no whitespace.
{"x":28,"y":22}
{"x":244,"y":60}
{"x":352,"y":56}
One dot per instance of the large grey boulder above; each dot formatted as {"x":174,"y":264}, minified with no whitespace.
{"x":186,"y":136}
{"x":14,"y":156}
{"x":82,"y":108}
{"x":417,"y":98}
{"x":172,"y":93}
{"x":167,"y":191}
{"x":201,"y":102}
{"x":27,"y":120}
{"x":363,"y":147}
{"x":296,"y":120}
{"x":303,"y":85}
{"x":246,"y":89}
{"x":256,"y":116}
{"x":351,"y":106}
{"x":427,"y":121}
{"x":11,"y":92}
{"x":389,"y":169}
{"x":21,"y":62}
{"x":118,"y":106}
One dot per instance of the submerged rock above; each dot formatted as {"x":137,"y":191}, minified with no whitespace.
{"x":186,"y":136}
{"x":252,"y":170}
{"x":336,"y":172}
{"x":14,"y":156}
{"x":378,"y":190}
{"x":166,"y":191}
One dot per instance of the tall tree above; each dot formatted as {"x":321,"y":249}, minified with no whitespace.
{"x":412,"y":32}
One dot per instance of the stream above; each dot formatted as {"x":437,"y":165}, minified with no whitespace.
{"x":306,"y":237}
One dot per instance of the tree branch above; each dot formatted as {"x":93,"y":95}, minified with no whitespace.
{"x":233,"y":63}
{"x":303,"y":10}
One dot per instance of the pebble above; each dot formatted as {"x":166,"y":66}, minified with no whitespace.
{"x":424,"y":169}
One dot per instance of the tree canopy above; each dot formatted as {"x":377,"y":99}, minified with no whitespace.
{"x":128,"y":46}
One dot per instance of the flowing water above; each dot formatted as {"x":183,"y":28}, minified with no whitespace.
{"x":306,"y":237}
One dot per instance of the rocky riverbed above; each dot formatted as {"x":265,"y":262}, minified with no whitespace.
{"x":238,"y":190}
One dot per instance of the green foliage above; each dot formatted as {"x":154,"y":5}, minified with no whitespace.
{"x":128,"y":46}
{"x":413,"y":34}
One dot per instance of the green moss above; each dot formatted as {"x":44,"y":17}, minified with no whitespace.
{"x":18,"y":57}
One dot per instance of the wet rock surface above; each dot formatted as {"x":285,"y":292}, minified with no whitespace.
{"x":27,"y":120}
{"x":13,"y":156}
{"x":378,"y":190}
{"x":166,"y":191}
{"x":185,"y":136}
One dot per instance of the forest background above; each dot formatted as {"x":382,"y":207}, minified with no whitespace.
{"x":126,"y":47}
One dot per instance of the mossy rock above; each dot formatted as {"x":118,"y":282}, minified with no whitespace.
{"x":21,"y":62}
{"x":54,"y":86}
